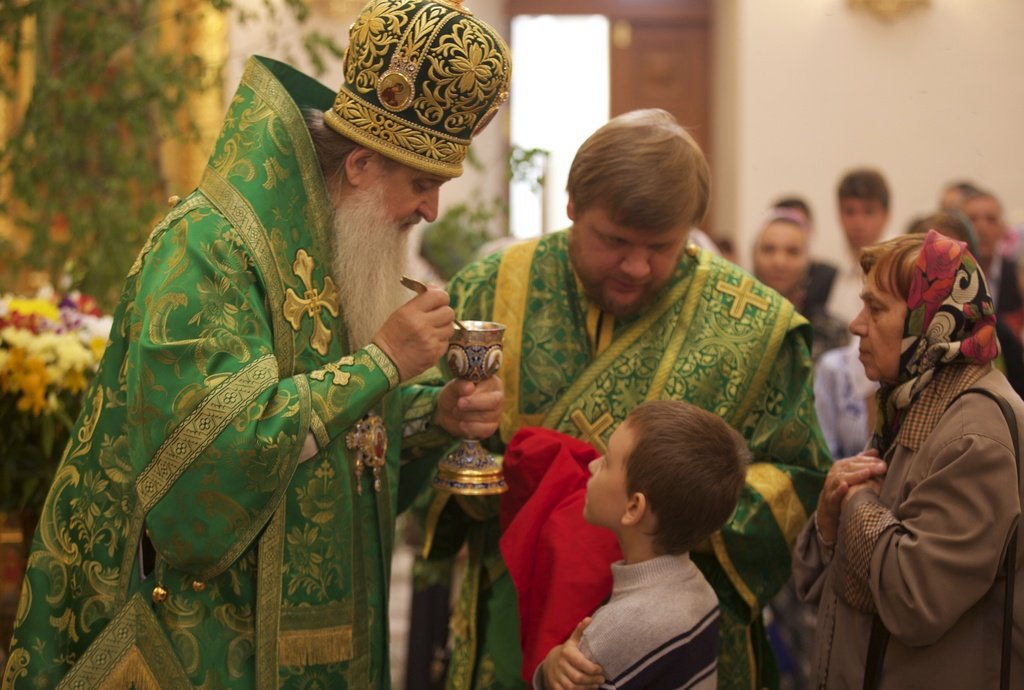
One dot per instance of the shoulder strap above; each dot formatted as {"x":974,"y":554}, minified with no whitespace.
{"x":880,"y":636}
{"x":1010,"y":559}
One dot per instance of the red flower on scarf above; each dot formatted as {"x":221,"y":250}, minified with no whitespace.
{"x":981,"y":346}
{"x":934,"y":274}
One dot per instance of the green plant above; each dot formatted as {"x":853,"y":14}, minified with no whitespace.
{"x":84,"y":164}
{"x":456,"y":237}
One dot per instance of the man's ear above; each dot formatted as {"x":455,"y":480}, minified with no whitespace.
{"x":570,"y":210}
{"x":636,"y":509}
{"x":360,"y":166}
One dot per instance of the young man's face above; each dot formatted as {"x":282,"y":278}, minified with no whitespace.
{"x":607,"y":496}
{"x":623,"y":270}
{"x":863,"y":221}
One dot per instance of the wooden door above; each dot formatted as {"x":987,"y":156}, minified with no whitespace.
{"x":660,"y":53}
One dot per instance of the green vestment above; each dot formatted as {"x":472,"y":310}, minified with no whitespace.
{"x":716,"y":338}
{"x":228,"y":348}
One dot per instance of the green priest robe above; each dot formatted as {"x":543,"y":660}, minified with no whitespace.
{"x":716,"y":338}
{"x":228,"y":348}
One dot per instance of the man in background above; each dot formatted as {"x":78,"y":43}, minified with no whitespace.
{"x":863,"y":202}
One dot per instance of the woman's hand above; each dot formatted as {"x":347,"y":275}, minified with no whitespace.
{"x":865,"y":469}
{"x":565,"y":667}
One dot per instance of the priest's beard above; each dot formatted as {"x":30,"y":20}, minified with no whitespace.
{"x":369,"y":261}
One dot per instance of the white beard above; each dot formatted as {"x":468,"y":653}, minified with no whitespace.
{"x":369,"y":261}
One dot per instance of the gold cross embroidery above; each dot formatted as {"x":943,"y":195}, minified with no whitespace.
{"x":591,"y":433}
{"x":742,"y":296}
{"x":311,"y":302}
{"x":340,"y":378}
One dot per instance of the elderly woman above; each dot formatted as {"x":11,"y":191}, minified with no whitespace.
{"x":906,"y":550}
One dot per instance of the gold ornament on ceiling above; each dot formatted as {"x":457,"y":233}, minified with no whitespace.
{"x":888,"y":9}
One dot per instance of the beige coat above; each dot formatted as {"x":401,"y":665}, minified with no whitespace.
{"x":927,"y":554}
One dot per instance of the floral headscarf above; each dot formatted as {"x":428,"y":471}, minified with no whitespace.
{"x":950,"y":318}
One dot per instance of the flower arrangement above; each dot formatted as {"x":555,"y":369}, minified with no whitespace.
{"x":50,"y":347}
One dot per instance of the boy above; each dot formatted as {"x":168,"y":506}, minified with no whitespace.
{"x":671,"y":477}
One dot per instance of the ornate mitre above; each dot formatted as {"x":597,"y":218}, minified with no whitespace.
{"x":422,"y":78}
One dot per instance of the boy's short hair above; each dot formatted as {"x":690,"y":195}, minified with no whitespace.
{"x":690,"y":465}
{"x":864,"y":184}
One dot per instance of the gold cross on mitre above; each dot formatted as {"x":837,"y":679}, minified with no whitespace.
{"x":742,"y":296}
{"x":591,"y":432}
{"x":311,"y":302}
{"x":339,"y":377}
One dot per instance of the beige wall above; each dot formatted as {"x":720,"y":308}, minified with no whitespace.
{"x":806,"y":89}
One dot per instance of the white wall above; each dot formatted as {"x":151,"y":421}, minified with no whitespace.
{"x":806,"y":89}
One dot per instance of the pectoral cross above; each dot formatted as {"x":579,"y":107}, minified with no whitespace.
{"x":591,"y":433}
{"x":742,"y":296}
{"x":311,"y":302}
{"x":339,"y":377}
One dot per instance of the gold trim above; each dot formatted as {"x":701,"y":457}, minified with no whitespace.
{"x":682,"y":329}
{"x":316,"y":425}
{"x":209,"y":418}
{"x":237,"y":210}
{"x":315,"y":647}
{"x":268,"y":601}
{"x":132,"y":647}
{"x":722,"y":554}
{"x":433,"y":517}
{"x":267,"y":86}
{"x":787,"y":317}
{"x":358,"y":111}
{"x":553,"y":418}
{"x":386,"y":365}
{"x":510,"y":293}
{"x":776,"y":487}
{"x":193,"y":202}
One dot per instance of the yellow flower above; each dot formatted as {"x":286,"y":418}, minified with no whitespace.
{"x":33,"y":382}
{"x":43,"y":307}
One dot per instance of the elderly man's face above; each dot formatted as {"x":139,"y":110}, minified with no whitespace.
{"x":622,"y":269}
{"x":410,"y":195}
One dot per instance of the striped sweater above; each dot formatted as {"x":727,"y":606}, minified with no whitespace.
{"x":658,"y":630}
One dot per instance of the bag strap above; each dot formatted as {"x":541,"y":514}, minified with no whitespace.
{"x":1009,"y":561}
{"x":879,"y":639}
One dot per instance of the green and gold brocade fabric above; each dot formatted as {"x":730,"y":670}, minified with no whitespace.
{"x":717,"y":338}
{"x":228,"y":348}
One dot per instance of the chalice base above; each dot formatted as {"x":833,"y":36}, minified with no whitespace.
{"x":470,"y":470}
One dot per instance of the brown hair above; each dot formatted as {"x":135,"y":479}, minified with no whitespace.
{"x":690,"y":465}
{"x":644,"y":170}
{"x":950,"y":223}
{"x":893,"y":262}
{"x":864,"y":184}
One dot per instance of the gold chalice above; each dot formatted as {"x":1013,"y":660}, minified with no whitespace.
{"x":474,"y":354}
